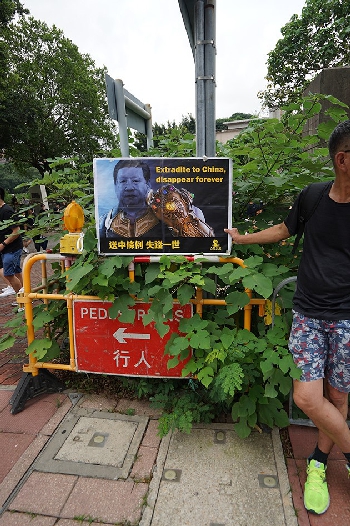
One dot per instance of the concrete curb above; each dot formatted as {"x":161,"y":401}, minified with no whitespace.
{"x":285,"y":489}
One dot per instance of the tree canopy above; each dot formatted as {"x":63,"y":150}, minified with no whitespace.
{"x":220,"y":123}
{"x":317,"y":39}
{"x":8,"y":9}
{"x":247,"y":374}
{"x":54,"y":98}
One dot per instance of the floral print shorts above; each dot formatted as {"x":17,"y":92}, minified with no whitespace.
{"x":321,"y":349}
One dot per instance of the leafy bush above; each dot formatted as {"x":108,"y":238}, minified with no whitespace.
{"x":247,"y":374}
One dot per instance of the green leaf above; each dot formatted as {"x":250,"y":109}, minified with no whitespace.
{"x":261,"y":284}
{"x":242,"y":428}
{"x":162,"y":328}
{"x":184,"y":294}
{"x":188,"y":325}
{"x":230,"y":378}
{"x":236,"y":300}
{"x":90,"y":241}
{"x":272,"y":413}
{"x":285,"y":384}
{"x":41,"y":319}
{"x":6,"y":342}
{"x":148,"y":318}
{"x":221,"y":270}
{"x":209,"y":285}
{"x":43,"y":348}
{"x":154,"y":290}
{"x":176,"y":344}
{"x":206,"y":375}
{"x":76,"y":273}
{"x":100,"y":280}
{"x":173,"y":362}
{"x":120,"y":308}
{"x":266,"y":368}
{"x":253,"y":262}
{"x":190,"y":367}
{"x":237,"y":274}
{"x":162,"y":302}
{"x":200,"y":340}
{"x":281,"y":419}
{"x":271,"y":270}
{"x":216,"y":354}
{"x":270,"y":391}
{"x":109,"y":266}
{"x":227,"y":337}
{"x":246,"y":406}
{"x":151,"y":273}
{"x":285,"y":363}
{"x":252,"y":420}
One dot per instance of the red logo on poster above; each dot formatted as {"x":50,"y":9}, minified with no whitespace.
{"x":107,"y":346}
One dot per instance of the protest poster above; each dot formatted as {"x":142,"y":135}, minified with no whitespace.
{"x":163,"y":205}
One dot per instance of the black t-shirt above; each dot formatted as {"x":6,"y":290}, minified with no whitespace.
{"x":323,"y":286}
{"x":6,"y":212}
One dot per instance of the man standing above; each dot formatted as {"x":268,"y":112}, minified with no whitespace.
{"x":11,"y":246}
{"x":320,"y":334}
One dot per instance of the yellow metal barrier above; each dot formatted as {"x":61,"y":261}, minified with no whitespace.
{"x":41,"y":293}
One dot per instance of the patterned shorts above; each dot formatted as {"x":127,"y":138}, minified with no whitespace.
{"x":321,"y":349}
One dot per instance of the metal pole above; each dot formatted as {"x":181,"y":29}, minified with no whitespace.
{"x":209,"y":54}
{"x":123,"y":127}
{"x":199,"y":73}
{"x":149,"y":131}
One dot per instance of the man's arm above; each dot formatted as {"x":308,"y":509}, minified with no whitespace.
{"x":269,"y":235}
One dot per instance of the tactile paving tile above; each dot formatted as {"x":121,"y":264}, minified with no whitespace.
{"x":94,"y":444}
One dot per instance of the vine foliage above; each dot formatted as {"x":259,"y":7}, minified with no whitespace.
{"x":246,"y":375}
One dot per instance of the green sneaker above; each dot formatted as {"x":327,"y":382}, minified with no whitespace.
{"x":316,"y":496}
{"x":348,"y":468}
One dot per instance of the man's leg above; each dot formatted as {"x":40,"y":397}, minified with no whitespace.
{"x":321,"y":348}
{"x":19,"y":276}
{"x":340,"y":401}
{"x":3,"y":277}
{"x":328,"y":419}
{"x":14,"y":282}
{"x":12,"y":269}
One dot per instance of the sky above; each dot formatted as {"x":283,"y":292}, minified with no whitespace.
{"x":144,"y":43}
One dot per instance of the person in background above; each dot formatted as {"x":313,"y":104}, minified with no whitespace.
{"x":8,"y":290}
{"x":320,"y":334}
{"x":14,"y":202}
{"x":11,"y":246}
{"x":28,"y":225}
{"x":39,"y":240}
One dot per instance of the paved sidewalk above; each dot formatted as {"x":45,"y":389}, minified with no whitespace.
{"x":85,"y":459}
